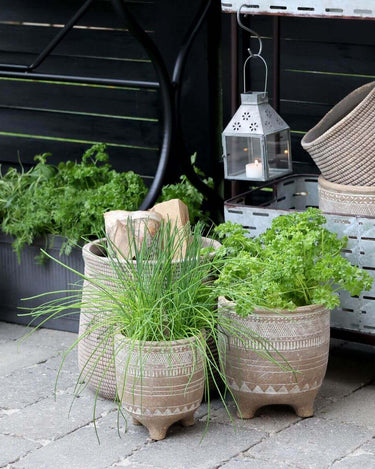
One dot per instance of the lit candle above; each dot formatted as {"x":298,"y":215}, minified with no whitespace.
{"x":254,"y":170}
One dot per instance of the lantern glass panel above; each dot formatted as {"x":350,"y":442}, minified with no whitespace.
{"x":244,"y":158}
{"x":278,"y":153}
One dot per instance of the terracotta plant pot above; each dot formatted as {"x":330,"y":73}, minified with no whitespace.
{"x":346,"y":200}
{"x":301,"y":337}
{"x":95,"y":354}
{"x":159,"y":383}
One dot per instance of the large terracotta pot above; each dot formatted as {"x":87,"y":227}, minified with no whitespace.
{"x":160,"y":383}
{"x":95,"y":350}
{"x":346,"y":200}
{"x":302,"y":339}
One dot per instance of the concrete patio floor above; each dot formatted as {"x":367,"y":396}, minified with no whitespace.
{"x":36,"y":431}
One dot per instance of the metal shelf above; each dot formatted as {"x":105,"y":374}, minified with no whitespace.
{"x":344,"y":9}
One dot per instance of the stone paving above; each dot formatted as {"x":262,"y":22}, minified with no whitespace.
{"x":39,"y":430}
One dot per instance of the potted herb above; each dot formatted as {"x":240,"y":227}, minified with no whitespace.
{"x":55,"y":207}
{"x":159,"y":311}
{"x":94,"y":350}
{"x":59,"y":207}
{"x":281,"y":286}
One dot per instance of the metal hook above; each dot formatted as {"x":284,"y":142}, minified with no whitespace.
{"x":251,"y":54}
{"x":254,"y":33}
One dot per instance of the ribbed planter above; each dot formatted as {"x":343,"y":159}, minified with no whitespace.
{"x":342,"y":144}
{"x":346,"y":200}
{"x":27,"y":279}
{"x":160,"y":383}
{"x":302,"y":339}
{"x":95,"y":352}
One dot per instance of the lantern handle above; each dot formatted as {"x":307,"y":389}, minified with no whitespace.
{"x":255,"y":56}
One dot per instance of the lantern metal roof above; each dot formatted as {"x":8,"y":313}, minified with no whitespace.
{"x":255,"y":117}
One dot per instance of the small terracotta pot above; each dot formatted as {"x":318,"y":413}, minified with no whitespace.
{"x":159,"y":383}
{"x":300,"y":337}
{"x":95,"y":349}
{"x":346,"y":200}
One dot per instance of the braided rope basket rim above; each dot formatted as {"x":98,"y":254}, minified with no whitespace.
{"x":346,"y":188}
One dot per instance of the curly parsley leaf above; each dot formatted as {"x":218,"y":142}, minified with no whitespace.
{"x":294,"y":263}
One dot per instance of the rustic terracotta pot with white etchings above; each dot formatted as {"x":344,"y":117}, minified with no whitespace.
{"x":159,"y":383}
{"x":95,"y":349}
{"x":300,"y":337}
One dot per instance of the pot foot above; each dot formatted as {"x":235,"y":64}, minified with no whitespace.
{"x":188,"y":421}
{"x":136,"y":422}
{"x":157,"y":432}
{"x":304,"y":410}
{"x":246,"y":413}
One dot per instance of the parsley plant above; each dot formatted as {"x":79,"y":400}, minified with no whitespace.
{"x":296,"y":262}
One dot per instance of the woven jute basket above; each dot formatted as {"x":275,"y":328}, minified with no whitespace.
{"x":346,"y":199}
{"x":342,"y":144}
{"x":96,"y":349}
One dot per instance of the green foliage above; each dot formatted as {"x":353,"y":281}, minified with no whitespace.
{"x":296,"y":262}
{"x":162,"y":294}
{"x":189,"y":194}
{"x":68,"y":199}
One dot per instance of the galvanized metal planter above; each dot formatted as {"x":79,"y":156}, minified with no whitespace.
{"x":27,"y":279}
{"x":256,"y":209}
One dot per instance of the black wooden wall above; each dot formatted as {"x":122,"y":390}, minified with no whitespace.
{"x":65,"y":119}
{"x":322,"y":60}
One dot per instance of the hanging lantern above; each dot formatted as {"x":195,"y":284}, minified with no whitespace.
{"x":256,"y":142}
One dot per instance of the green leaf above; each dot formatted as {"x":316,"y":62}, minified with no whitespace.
{"x":296,"y":262}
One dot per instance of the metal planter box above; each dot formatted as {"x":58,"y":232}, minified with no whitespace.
{"x":27,"y":279}
{"x":256,"y":209}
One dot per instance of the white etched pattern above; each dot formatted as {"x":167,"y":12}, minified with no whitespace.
{"x":268,"y":389}
{"x":349,"y":204}
{"x":157,"y":412}
{"x":298,"y":342}
{"x":159,"y":379}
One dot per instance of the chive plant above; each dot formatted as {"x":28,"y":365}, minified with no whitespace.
{"x":163,"y":293}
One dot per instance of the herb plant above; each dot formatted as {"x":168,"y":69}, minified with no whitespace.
{"x":190,"y":195}
{"x":294,"y":263}
{"x":67,"y":200}
{"x":151,"y":297}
